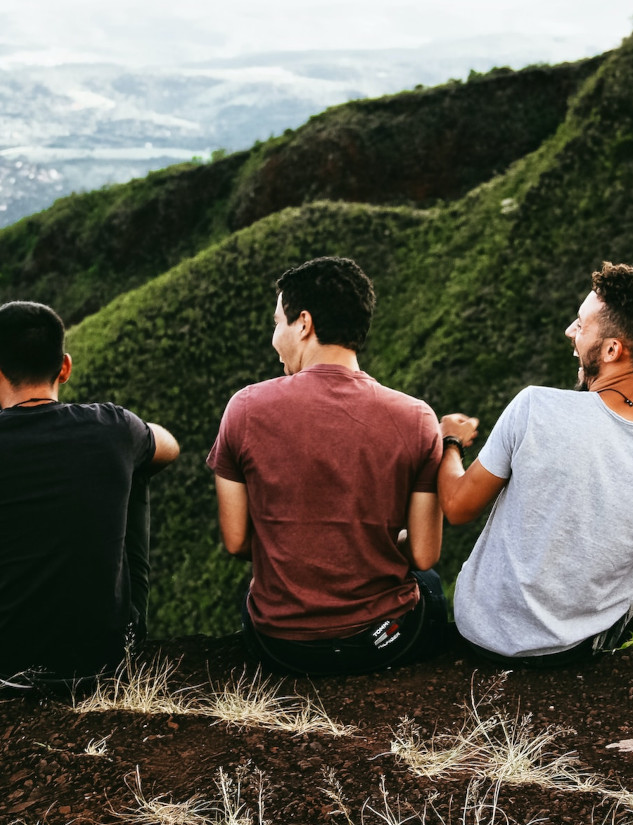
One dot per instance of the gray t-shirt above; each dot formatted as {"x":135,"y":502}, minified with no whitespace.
{"x":554,"y":563}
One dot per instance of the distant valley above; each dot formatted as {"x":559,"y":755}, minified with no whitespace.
{"x":78,"y":127}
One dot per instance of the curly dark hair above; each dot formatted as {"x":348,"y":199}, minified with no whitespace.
{"x":337,"y":294}
{"x":31,"y":343}
{"x":614,"y":286}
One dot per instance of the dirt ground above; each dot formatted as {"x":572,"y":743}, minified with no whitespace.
{"x":46,"y":776}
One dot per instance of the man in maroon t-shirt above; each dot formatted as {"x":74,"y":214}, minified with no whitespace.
{"x":317,"y":473}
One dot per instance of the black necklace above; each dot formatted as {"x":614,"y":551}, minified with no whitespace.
{"x":612,"y":389}
{"x":29,"y":401}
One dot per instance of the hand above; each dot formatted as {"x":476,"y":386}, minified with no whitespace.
{"x":460,"y":426}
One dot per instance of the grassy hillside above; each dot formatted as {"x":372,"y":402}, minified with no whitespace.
{"x":473,"y":298}
{"x":86,"y":249}
{"x":412,"y":148}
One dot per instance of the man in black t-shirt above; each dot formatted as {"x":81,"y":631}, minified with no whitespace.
{"x":73,"y":509}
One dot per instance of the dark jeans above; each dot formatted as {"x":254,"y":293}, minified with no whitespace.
{"x":137,"y":550}
{"x":418,"y":634}
{"x":573,"y":656}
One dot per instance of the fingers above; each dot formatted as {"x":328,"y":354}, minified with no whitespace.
{"x":473,"y":424}
{"x":461,"y":426}
{"x":457,"y":418}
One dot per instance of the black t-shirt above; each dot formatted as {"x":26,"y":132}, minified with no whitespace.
{"x":65,"y":477}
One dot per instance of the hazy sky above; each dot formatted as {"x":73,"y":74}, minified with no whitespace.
{"x":176,"y":31}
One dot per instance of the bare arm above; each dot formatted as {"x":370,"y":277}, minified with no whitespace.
{"x":235,"y":524}
{"x":424,"y":529}
{"x":167,"y":448}
{"x":464,"y":494}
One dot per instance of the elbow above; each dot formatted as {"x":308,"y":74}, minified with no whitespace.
{"x":236,"y":549}
{"x":426,"y":563}
{"x":457,"y":514}
{"x":240,"y":548}
{"x":456,"y":518}
{"x":160,"y":462}
{"x":166,"y":448}
{"x":426,"y":557}
{"x":172,"y":452}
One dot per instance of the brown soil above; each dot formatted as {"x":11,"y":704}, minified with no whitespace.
{"x":46,"y":776}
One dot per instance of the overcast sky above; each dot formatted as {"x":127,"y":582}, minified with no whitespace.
{"x":169,"y":32}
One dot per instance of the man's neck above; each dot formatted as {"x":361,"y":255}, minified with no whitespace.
{"x":616,"y":390}
{"x":27,"y":396}
{"x":330,"y":354}
{"x":613,"y":378}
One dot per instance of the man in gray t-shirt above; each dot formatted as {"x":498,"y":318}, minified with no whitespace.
{"x":551,"y":576}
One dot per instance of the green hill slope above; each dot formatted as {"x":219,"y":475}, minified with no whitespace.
{"x":411,"y":148}
{"x":414,"y":148}
{"x":86,"y":249}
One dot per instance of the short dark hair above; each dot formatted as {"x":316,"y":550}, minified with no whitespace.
{"x":613,"y":284}
{"x":337,"y":294}
{"x":31,"y":343}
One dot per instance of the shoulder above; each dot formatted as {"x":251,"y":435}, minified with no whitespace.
{"x":262,"y":391}
{"x":539,"y":408}
{"x":549,"y":398}
{"x":106,"y":414}
{"x":402,"y":401}
{"x":103,"y":412}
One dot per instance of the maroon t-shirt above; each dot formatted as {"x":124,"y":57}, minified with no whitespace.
{"x":330,"y":458}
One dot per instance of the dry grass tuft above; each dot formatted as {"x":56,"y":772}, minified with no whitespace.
{"x":257,"y":702}
{"x":496,"y":747}
{"x":231,"y":809}
{"x":160,"y":810}
{"x":140,"y":688}
{"x":505,"y":749}
{"x":247,"y":702}
{"x":391,"y":815}
{"x":479,"y":808}
{"x":228,"y":809}
{"x":97,"y":747}
{"x":334,"y":792}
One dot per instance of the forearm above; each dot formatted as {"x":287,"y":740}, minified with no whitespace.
{"x":240,"y":550}
{"x":235,"y":522}
{"x":167,"y":449}
{"x":465,"y":494}
{"x":450,"y":480}
{"x":424,"y":533}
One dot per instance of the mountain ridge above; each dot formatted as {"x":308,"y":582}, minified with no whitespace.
{"x":74,"y":127}
{"x":329,"y":157}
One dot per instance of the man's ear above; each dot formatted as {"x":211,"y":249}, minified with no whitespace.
{"x":305,"y":324}
{"x":612,"y":349}
{"x":67,"y":368}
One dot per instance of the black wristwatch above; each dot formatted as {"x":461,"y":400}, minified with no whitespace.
{"x":453,"y":441}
